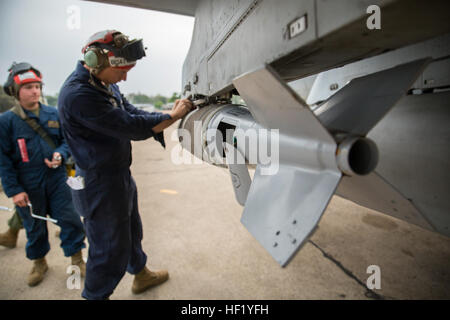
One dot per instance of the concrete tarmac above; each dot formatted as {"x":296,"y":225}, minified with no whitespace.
{"x":192,"y":228}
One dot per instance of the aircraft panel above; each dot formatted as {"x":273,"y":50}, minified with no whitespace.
{"x":183,"y":7}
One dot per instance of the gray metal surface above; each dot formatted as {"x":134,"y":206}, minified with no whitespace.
{"x":436,"y":74}
{"x":308,"y":175}
{"x":412,"y":178}
{"x":343,"y":37}
{"x":372,"y":191}
{"x":273,"y":104}
{"x":414,"y":144}
{"x":283,"y":209}
{"x":232,"y":37}
{"x":358,"y":107}
{"x":240,"y":177}
{"x":183,"y":7}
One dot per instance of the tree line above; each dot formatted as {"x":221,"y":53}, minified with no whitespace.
{"x":158,"y":100}
{"x":6,"y":102}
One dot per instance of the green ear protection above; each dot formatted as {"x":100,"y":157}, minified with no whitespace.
{"x":95,"y":58}
{"x":111,"y":43}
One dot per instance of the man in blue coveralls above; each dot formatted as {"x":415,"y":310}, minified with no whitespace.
{"x":32,"y":149}
{"x":99,"y":123}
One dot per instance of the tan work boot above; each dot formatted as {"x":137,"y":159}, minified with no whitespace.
{"x":9,"y":238}
{"x":146,"y":279}
{"x":77,"y":260}
{"x":37,"y":273}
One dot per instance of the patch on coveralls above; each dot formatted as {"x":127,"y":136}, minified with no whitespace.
{"x":53,"y":124}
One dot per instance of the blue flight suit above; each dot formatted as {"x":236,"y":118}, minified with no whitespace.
{"x":98,"y":125}
{"x":46,"y":187}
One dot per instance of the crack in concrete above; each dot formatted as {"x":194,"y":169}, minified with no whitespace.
{"x":369,"y":293}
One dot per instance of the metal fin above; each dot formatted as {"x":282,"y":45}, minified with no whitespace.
{"x":361,"y":104}
{"x":373,"y":191}
{"x":273,"y":104}
{"x":240,"y":177}
{"x":283,"y":210}
{"x":284,"y":206}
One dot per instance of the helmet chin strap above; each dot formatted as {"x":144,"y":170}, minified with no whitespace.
{"x":95,"y":71}
{"x":94,"y":83}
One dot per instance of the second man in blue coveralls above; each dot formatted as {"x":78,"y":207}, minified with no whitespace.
{"x":32,"y":172}
{"x":99,"y":123}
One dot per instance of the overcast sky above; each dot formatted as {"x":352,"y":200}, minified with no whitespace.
{"x":46,"y":33}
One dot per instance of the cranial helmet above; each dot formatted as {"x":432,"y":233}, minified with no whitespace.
{"x":111,"y":48}
{"x":20,"y":74}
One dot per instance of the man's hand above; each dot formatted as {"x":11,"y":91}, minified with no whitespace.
{"x":56,"y":161}
{"x":181,"y":108}
{"x":21,"y":199}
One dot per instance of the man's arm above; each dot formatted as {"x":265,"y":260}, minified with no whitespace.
{"x":10,"y":180}
{"x":132,"y":109}
{"x":100,"y":116}
{"x":179,"y":110}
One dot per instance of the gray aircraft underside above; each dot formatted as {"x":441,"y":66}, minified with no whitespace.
{"x":360,"y":112}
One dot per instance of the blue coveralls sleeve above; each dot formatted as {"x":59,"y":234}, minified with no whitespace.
{"x":133,"y":110}
{"x":63,"y":148}
{"x":130,"y":108}
{"x":98,"y":114}
{"x":8,"y":173}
